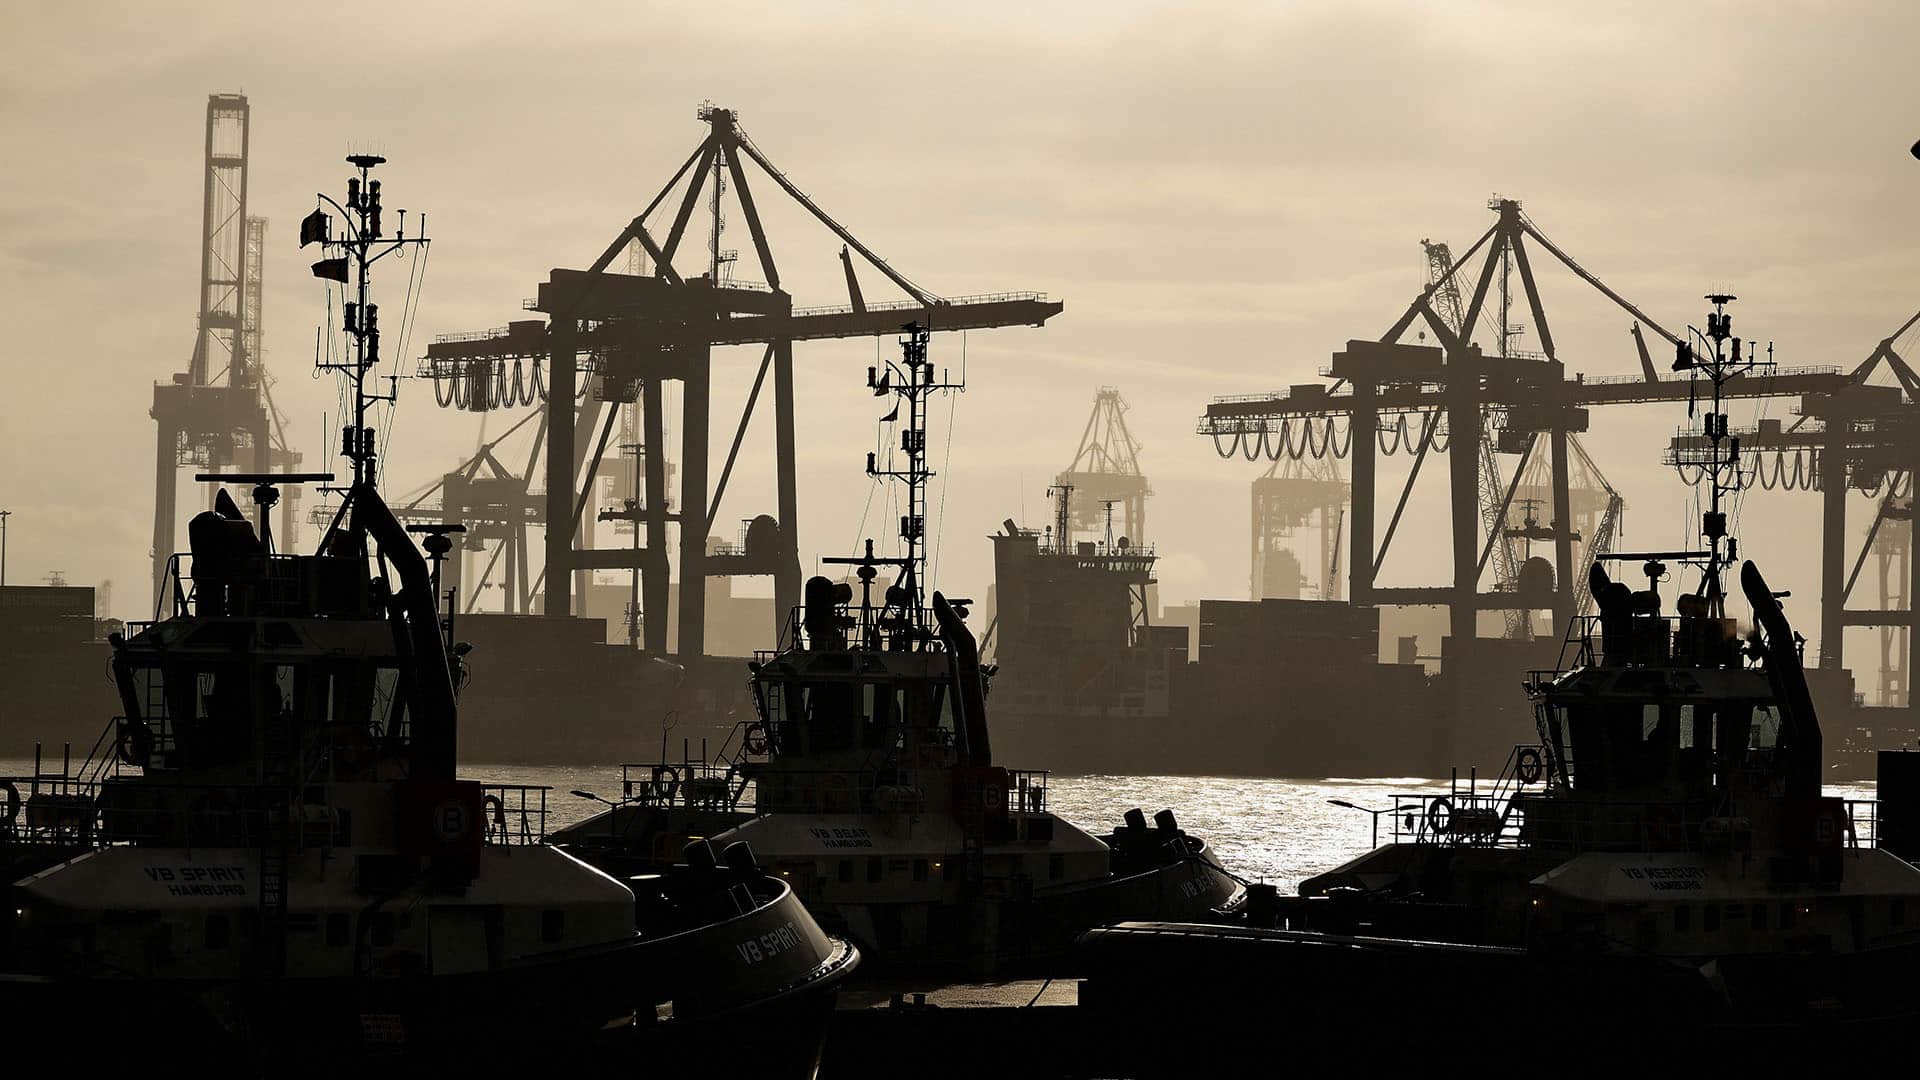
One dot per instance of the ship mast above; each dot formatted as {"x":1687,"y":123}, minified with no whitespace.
{"x":364,"y":243}
{"x":1719,"y":462}
{"x":911,"y":380}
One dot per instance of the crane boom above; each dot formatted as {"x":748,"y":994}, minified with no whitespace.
{"x":1602,"y":542}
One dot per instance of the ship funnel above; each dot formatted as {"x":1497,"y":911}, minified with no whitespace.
{"x":434,"y":716}
{"x":972,"y":692}
{"x":1615,"y":603}
{"x":820,"y":618}
{"x":1800,"y":728}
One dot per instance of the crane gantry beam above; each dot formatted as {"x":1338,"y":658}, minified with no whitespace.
{"x":529,"y":339}
{"x":1254,"y":415}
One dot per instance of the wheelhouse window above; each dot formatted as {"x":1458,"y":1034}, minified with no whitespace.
{"x":285,"y":699}
{"x":1628,"y":744}
{"x":388,"y":711}
{"x":209,"y":713}
{"x":829,"y":720}
{"x":945,"y":722}
{"x":881,"y":705}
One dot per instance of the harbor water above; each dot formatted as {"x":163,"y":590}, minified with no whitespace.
{"x":1279,"y":831}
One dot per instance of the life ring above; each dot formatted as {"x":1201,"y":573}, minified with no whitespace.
{"x":12,"y":808}
{"x":1439,"y":816}
{"x":1528,"y":766}
{"x":494,"y":810}
{"x":756,"y":739}
{"x":666,"y":781}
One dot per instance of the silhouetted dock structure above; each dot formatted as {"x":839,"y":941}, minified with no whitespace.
{"x":1388,"y":396}
{"x":639,"y":332}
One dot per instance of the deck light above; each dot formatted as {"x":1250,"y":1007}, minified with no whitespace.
{"x":1373,"y":814}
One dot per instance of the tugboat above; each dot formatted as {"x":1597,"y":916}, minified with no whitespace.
{"x":1658,"y":871}
{"x":278,"y":857}
{"x":868,"y":779}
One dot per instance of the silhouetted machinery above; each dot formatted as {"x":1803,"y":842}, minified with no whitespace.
{"x":1389,"y":396}
{"x":1106,"y":471}
{"x":1865,"y":437}
{"x":1296,"y":494}
{"x":633,"y":334}
{"x":219,"y":411}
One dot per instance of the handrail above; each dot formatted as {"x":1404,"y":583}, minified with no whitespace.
{"x":915,"y":305}
{"x":1470,"y":819}
{"x":512,"y":820}
{"x":69,"y":811}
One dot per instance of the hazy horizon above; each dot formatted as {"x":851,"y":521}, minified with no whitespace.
{"x":1221,"y":195}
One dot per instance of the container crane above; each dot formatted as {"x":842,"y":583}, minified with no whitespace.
{"x":1106,"y":469}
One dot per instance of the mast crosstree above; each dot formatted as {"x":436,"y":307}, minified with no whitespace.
{"x":351,"y":260}
{"x":911,"y":380}
{"x":1718,"y":461}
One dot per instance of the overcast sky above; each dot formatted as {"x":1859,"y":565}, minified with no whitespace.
{"x":1221,"y":195}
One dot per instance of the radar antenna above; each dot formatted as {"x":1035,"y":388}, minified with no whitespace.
{"x":364,"y":243}
{"x":911,"y":380}
{"x":1718,"y":460}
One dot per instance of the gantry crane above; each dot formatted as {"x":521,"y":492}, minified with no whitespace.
{"x":1293,"y":494}
{"x":212,"y":414}
{"x":219,"y":411}
{"x":1106,"y":469}
{"x":1453,"y":312}
{"x":1850,"y":433}
{"x":1388,"y":397}
{"x":638,"y":332}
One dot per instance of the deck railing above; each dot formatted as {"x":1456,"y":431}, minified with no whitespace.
{"x":691,"y":785}
{"x":1468,"y":819}
{"x":50,"y":810}
{"x":516,"y":814}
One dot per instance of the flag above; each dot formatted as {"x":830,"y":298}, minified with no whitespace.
{"x":314,"y":227}
{"x":331,"y":270}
